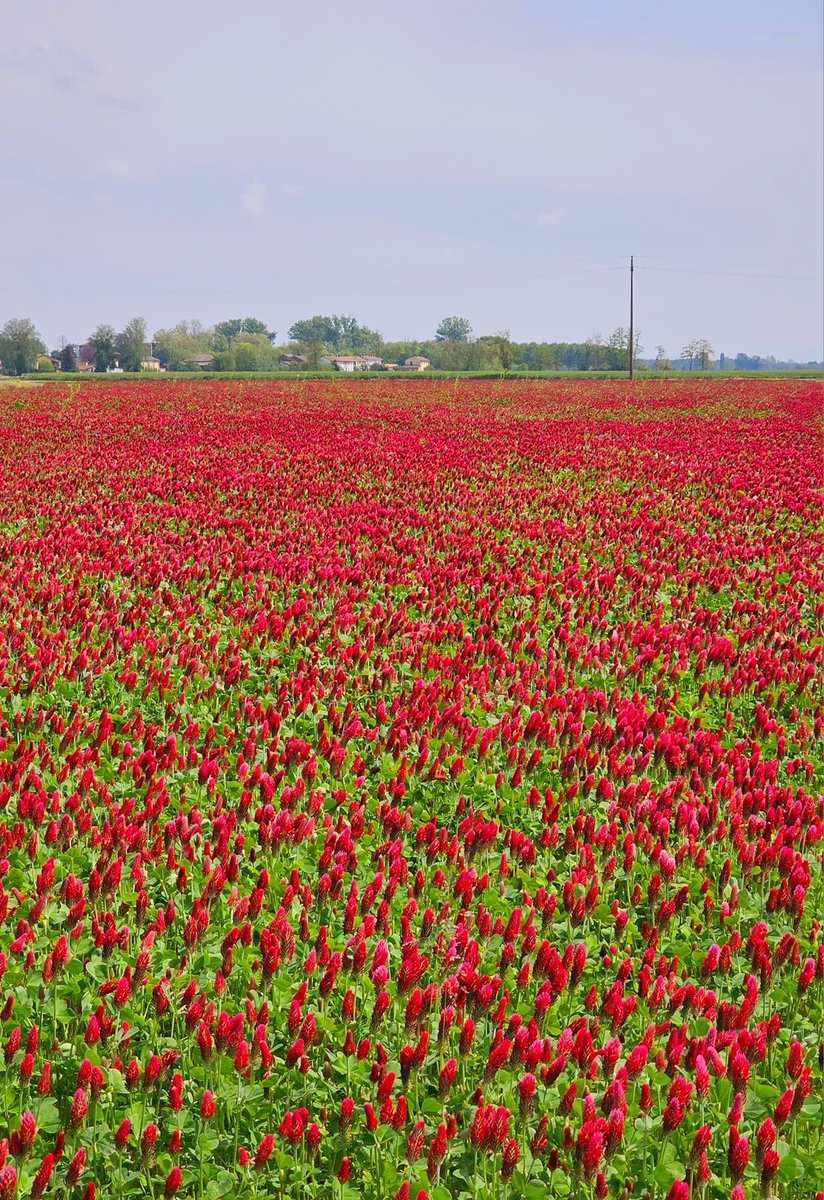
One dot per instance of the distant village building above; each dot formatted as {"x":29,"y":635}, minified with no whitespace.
{"x":356,"y":362}
{"x":150,"y":363}
{"x":292,"y":360}
{"x":416,"y":363}
{"x":201,"y":361}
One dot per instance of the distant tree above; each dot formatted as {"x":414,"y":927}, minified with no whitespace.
{"x":68,"y":357}
{"x":501,"y":344}
{"x":253,"y":352}
{"x":617,"y":349}
{"x":704,"y":352}
{"x":348,"y":332}
{"x":174,"y":347}
{"x":688,"y":353}
{"x":662,"y":363}
{"x":313,"y":351}
{"x":594,"y":353}
{"x":20,"y":346}
{"x":360,"y":339}
{"x":342,"y":334}
{"x":398,"y":351}
{"x":131,"y":344}
{"x":747,"y":362}
{"x":698,"y":353}
{"x":454,"y":329}
{"x":448,"y":355}
{"x":245,"y":356}
{"x":533,"y":356}
{"x":104,"y":344}
{"x":227,"y":331}
{"x":316,"y":329}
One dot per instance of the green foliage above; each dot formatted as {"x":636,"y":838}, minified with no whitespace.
{"x":454,"y":329}
{"x":20,"y":346}
{"x":225,"y":332}
{"x":502,"y":347}
{"x":313,"y":350}
{"x":104,"y":343}
{"x":175,"y":347}
{"x":340,"y":334}
{"x":131,"y":345}
{"x":698,"y":353}
{"x":451,"y":355}
{"x":253,"y":352}
{"x":314,"y":329}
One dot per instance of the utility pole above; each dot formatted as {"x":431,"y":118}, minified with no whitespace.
{"x":631,"y":318}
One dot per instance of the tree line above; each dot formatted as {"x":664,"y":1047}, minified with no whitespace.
{"x":247,"y":344}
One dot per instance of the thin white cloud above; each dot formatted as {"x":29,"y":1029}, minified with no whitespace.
{"x":550,"y":218}
{"x":293,"y":192}
{"x":254,"y":198}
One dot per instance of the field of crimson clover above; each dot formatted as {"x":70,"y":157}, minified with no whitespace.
{"x":411,"y":790}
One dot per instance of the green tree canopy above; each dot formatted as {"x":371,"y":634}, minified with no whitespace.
{"x":398,"y":351}
{"x":226,"y":331}
{"x":248,"y":352}
{"x":339,"y":333}
{"x":698,"y":353}
{"x":357,"y":338}
{"x":315,"y":329}
{"x":502,"y":346}
{"x":104,"y":343}
{"x":20,"y":346}
{"x":454,"y":329}
{"x":617,"y":349}
{"x":68,"y":358}
{"x":131,"y":344}
{"x":174,"y":347}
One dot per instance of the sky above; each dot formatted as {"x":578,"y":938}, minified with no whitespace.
{"x":404,"y":161}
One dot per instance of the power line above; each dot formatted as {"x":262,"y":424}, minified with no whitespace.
{"x":691,"y":261}
{"x":734,"y":274}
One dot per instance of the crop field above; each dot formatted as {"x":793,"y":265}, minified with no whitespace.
{"x":411,"y":790}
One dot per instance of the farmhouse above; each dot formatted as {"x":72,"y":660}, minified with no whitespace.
{"x":292,"y":360}
{"x":416,"y":363}
{"x":202,"y":361}
{"x":150,"y":363}
{"x":356,"y":362}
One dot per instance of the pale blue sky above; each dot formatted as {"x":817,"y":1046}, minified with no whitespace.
{"x":403,"y":161}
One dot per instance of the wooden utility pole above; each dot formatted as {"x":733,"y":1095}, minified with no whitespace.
{"x":631,"y":318}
